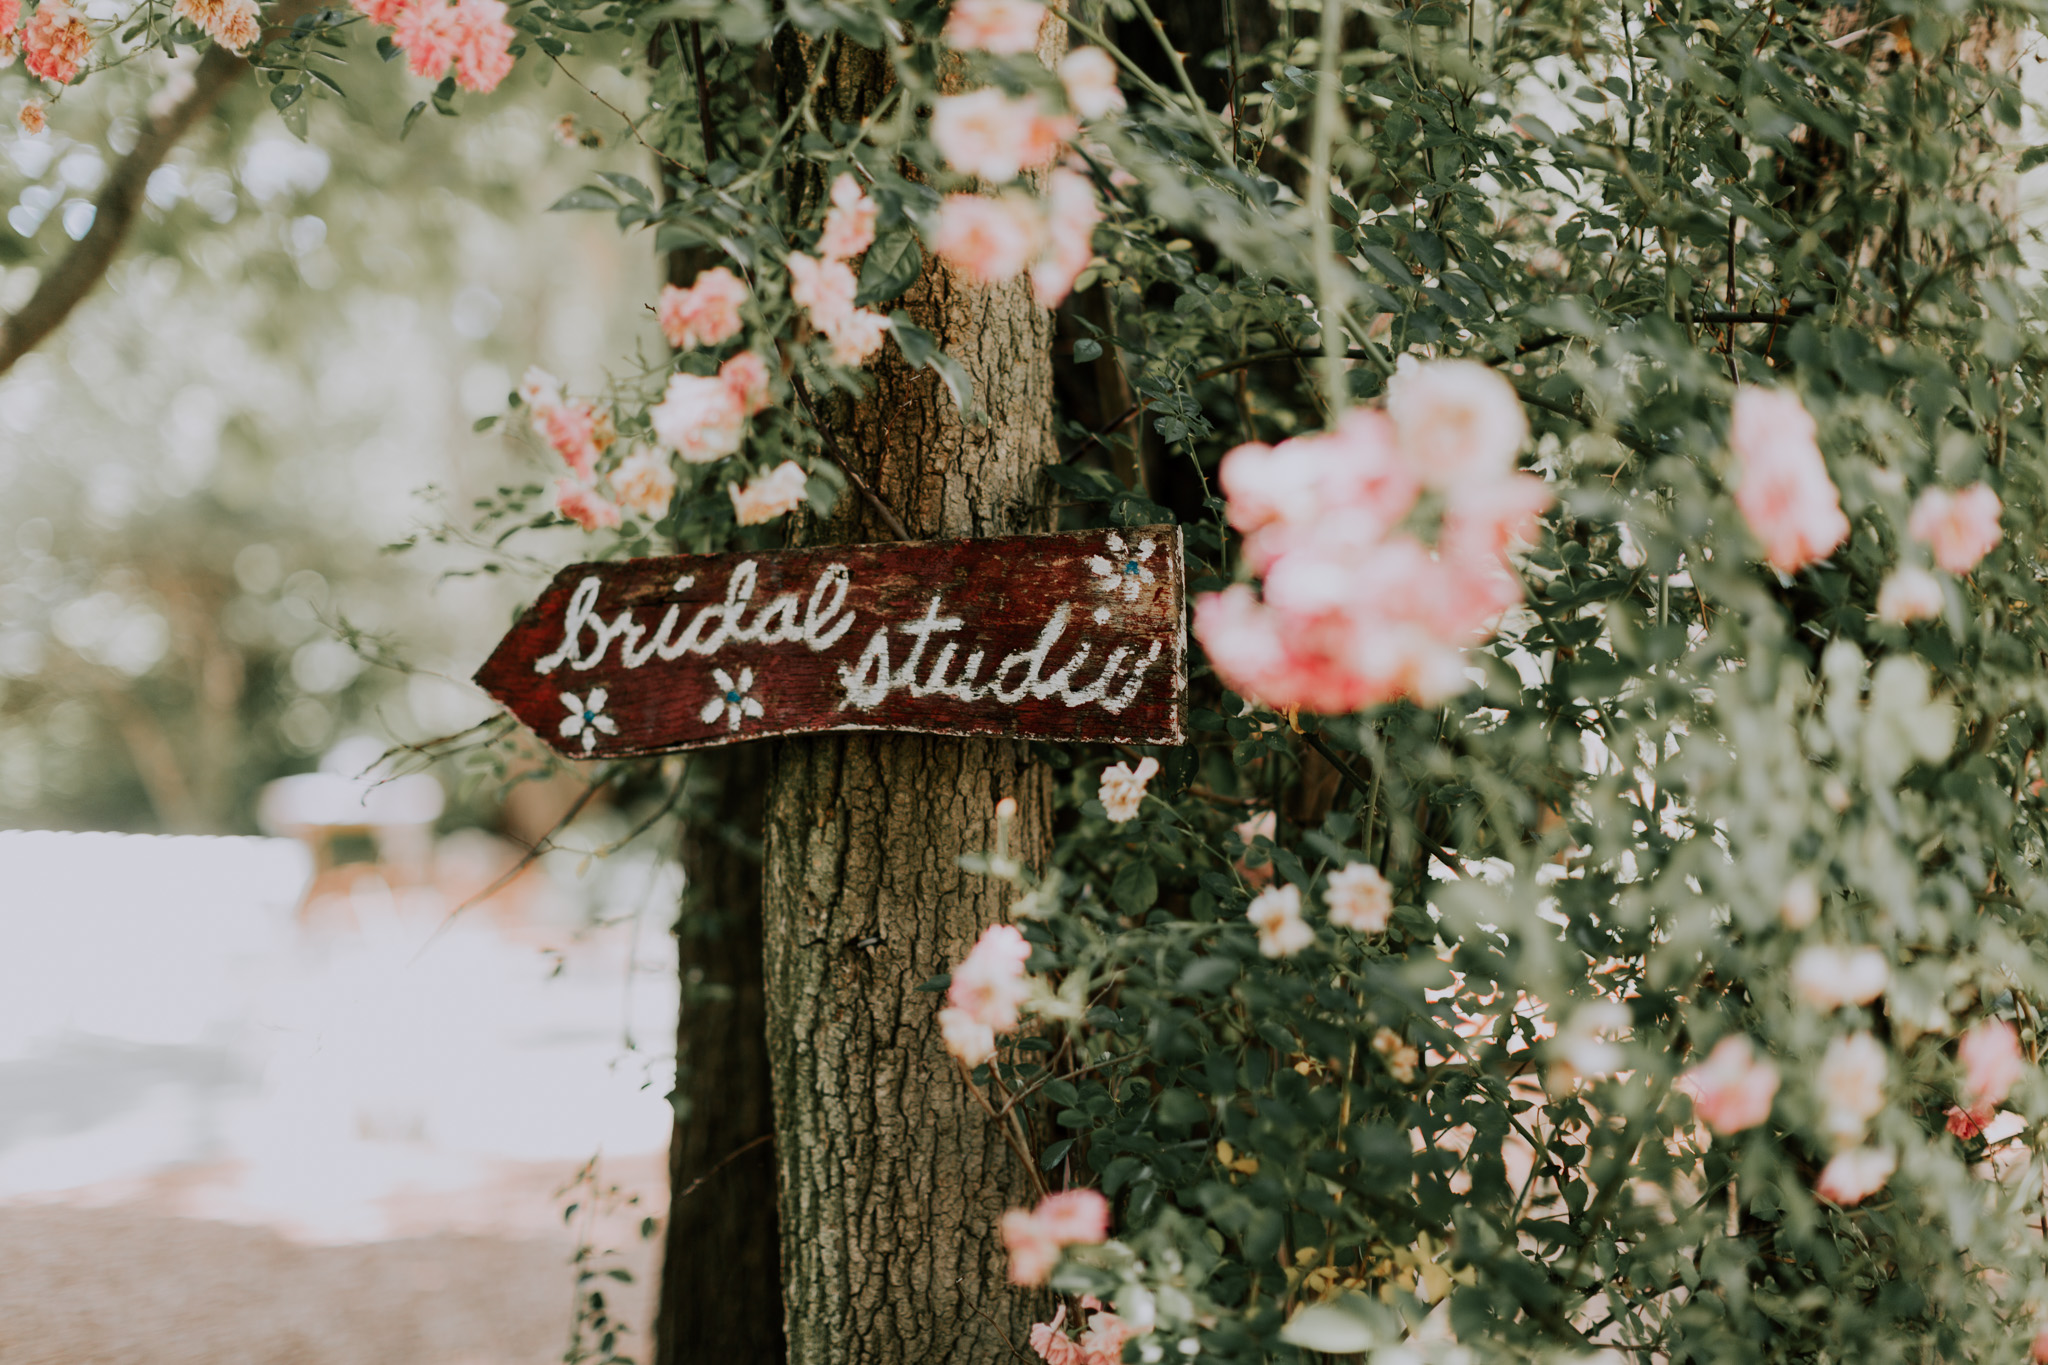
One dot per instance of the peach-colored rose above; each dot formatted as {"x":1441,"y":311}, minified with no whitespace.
{"x":1850,"y":1085}
{"x":849,"y":223}
{"x":988,"y":134}
{"x":1359,"y":898}
{"x":483,"y":42}
{"x":767,"y":496}
{"x":1733,"y":1089}
{"x":965,"y":1036}
{"x":1992,"y":1064}
{"x":1276,"y":913}
{"x":746,"y":374}
{"x":580,"y":503}
{"x":428,"y":33}
{"x":644,"y":483}
{"x":1071,"y":214}
{"x":1784,"y":491}
{"x":1007,"y":28}
{"x":1457,"y":421}
{"x":1074,"y":1217}
{"x":987,"y":240}
{"x":56,"y":42}
{"x":706,"y":313}
{"x":1089,"y":75}
{"x":1827,"y":977}
{"x":1122,"y":791}
{"x":31,"y":117}
{"x":1909,"y":593}
{"x":1959,"y":527}
{"x":699,"y":417}
{"x":1853,"y":1176}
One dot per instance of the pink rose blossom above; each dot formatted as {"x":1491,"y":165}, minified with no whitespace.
{"x":482,"y":44}
{"x":1959,"y":527}
{"x":10,"y":30}
{"x":1853,"y":1176}
{"x":849,"y":223}
{"x":1850,"y":1085}
{"x":1276,"y":913}
{"x":1089,"y":75}
{"x":1054,"y":1346}
{"x":985,"y":133}
{"x":991,"y":983}
{"x":580,"y":503}
{"x":1458,"y":421}
{"x":1071,"y":214}
{"x":768,"y":496}
{"x":381,"y":11}
{"x":2039,"y":1351}
{"x":539,"y":389}
{"x":699,"y":417}
{"x":1784,"y":491}
{"x":746,"y":374}
{"x":706,"y":313}
{"x":825,"y":289}
{"x":987,"y":240}
{"x":1359,"y":899}
{"x":1969,"y":1123}
{"x":1733,"y":1089}
{"x":1034,"y":1238}
{"x":966,"y":1037}
{"x":56,"y":42}
{"x":1354,"y":473}
{"x":1992,"y":1064}
{"x":31,"y":117}
{"x":572,"y":429}
{"x":644,"y":483}
{"x":1910,"y":593}
{"x":427,"y":32}
{"x":1123,"y":789}
{"x":1485,"y":518}
{"x":1007,"y":28}
{"x":1103,"y":1342}
{"x":1827,"y":977}
{"x":858,"y":335}
{"x":231,"y":23}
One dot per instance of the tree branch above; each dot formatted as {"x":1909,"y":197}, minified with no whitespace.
{"x":64,"y":287}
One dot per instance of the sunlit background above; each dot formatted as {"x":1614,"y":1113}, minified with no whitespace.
{"x":264,"y":1095}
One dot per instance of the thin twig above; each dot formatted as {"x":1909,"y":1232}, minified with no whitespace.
{"x":735,"y":1154}
{"x":627,"y":119}
{"x":832,"y":453}
{"x":539,"y":849}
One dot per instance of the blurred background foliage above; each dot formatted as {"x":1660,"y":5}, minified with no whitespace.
{"x":202,"y":474}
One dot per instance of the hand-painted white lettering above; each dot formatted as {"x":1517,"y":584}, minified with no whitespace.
{"x":920,"y":632}
{"x":777,"y":623}
{"x":575,"y":616}
{"x":1030,"y":660}
{"x":821,"y":629}
{"x":739,"y":590}
{"x":962,"y":689}
{"x":1098,"y":689}
{"x":867,"y":683}
{"x":1130,"y":692}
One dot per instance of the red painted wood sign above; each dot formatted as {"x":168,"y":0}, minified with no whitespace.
{"x":1077,"y":636}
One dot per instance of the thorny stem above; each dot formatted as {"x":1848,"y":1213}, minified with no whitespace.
{"x":1322,"y":238}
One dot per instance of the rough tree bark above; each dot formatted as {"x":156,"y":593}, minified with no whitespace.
{"x":892,"y":1180}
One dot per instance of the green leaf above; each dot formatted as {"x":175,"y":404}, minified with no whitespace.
{"x":1055,"y":1153}
{"x":936,"y":983}
{"x":627,"y":184}
{"x":589,"y":197}
{"x":1087,"y":349}
{"x":412,"y":116}
{"x":1136,"y":887}
{"x":893,"y":264}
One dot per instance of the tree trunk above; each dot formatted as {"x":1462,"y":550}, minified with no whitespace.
{"x":892,"y":1179}
{"x":721,"y":1300}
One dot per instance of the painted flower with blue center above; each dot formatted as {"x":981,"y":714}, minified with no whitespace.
{"x":1124,"y":573}
{"x":586,"y":718}
{"x":731,"y":698}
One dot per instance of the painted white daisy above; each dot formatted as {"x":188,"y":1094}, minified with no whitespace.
{"x":731,"y":698}
{"x":1126,"y":575}
{"x":587,"y":718}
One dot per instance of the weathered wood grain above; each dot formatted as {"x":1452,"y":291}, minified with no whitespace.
{"x":1076,"y":636}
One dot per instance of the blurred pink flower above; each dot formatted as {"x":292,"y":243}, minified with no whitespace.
{"x":825,"y":289}
{"x":1034,"y":1238}
{"x":1054,"y":1346}
{"x":1909,"y":593}
{"x":56,"y":42}
{"x":768,"y":496}
{"x":1827,"y":977}
{"x":644,"y":483}
{"x":31,"y":118}
{"x":1123,"y":789}
{"x":1458,"y":421}
{"x":1959,"y":527}
{"x":706,"y":313}
{"x":857,"y":336}
{"x":10,"y":29}
{"x":1850,"y":1085}
{"x":1089,"y":75}
{"x":849,"y":223}
{"x":1007,"y":28}
{"x":987,"y":240}
{"x":986,"y":133}
{"x":1359,"y":899}
{"x":1992,"y":1064}
{"x":427,"y":32}
{"x":380,"y":11}
{"x":699,"y":417}
{"x":991,"y":984}
{"x":1968,"y":1123}
{"x":580,"y":503}
{"x":483,"y":42}
{"x":746,"y":374}
{"x":966,"y":1037}
{"x":572,"y":429}
{"x":1784,"y":491}
{"x":1071,"y":214}
{"x":1276,"y":914}
{"x":1733,"y":1089}
{"x":232,"y":24}
{"x":1853,"y":1176}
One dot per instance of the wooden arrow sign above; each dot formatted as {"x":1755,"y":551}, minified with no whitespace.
{"x":1077,"y":636}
